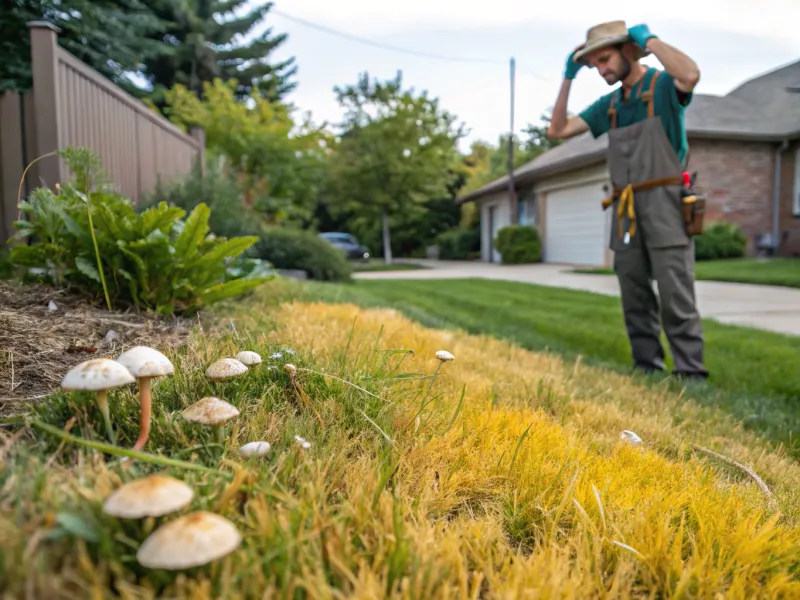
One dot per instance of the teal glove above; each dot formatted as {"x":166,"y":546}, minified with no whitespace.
{"x":572,"y":68}
{"x":639,"y":35}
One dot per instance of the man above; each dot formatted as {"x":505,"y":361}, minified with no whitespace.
{"x":647,"y":154}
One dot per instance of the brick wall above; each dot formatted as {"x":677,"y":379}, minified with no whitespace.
{"x":737,"y":179}
{"x":789,"y":225}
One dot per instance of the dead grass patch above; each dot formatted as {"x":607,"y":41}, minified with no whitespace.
{"x":39,"y":344}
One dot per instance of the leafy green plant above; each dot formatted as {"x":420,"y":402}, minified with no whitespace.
{"x":519,"y":244}
{"x":304,"y":250}
{"x":720,"y":240}
{"x":90,"y":238}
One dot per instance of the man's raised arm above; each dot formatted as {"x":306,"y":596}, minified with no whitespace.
{"x":562,"y":126}
{"x":683,"y":69}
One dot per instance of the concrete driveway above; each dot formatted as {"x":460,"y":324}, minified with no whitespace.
{"x":761,"y":306}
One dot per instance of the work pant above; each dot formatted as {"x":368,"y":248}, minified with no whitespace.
{"x":672,"y":268}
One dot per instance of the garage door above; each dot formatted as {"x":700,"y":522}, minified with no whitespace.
{"x":576,"y":226}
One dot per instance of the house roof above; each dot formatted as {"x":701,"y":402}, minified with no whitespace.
{"x":765,"y":108}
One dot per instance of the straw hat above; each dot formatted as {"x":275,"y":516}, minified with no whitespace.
{"x":606,"y":34}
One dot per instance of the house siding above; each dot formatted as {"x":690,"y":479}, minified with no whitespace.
{"x":737,"y":179}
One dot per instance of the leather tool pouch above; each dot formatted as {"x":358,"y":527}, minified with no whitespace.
{"x":694,"y":208}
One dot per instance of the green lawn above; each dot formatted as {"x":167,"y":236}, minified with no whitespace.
{"x":754,"y":373}
{"x":777,"y":271}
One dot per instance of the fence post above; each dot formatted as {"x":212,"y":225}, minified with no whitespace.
{"x":46,"y":98}
{"x":11,"y":160}
{"x":200,"y":135}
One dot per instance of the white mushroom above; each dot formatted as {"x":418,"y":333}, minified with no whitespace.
{"x":225,"y":368}
{"x":144,"y":364}
{"x":444,"y":356}
{"x":151,"y":496}
{"x":256,"y":449}
{"x":98,"y":375}
{"x":212,"y":412}
{"x":248,"y":358}
{"x":189,"y":541}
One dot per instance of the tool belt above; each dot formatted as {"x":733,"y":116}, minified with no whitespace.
{"x":693,"y":204}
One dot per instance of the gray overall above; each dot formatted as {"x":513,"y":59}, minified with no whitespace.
{"x":649,"y":241}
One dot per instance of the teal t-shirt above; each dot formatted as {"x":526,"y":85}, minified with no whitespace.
{"x":670,"y":105}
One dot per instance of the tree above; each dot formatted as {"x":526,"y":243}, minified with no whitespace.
{"x":535,"y":139}
{"x":209,"y":42}
{"x":279,"y":163}
{"x":108,"y":35}
{"x":395,"y":152}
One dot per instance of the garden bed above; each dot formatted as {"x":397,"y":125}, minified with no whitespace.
{"x":44,"y":331}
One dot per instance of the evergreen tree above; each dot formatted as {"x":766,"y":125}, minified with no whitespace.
{"x":108,"y":35}
{"x":207,"y":37}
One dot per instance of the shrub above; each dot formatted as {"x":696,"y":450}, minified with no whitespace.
{"x":303,"y":249}
{"x":217,"y":190}
{"x":459,"y":243}
{"x":90,"y":238}
{"x":519,"y":244}
{"x":720,"y":240}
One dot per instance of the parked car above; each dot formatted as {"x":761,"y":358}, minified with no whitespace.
{"x":353,"y":249}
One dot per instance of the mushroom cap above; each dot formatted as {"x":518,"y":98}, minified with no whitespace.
{"x":189,"y":541}
{"x":96,"y":374}
{"x":210,"y":411}
{"x":142,"y":361}
{"x":444,"y":355}
{"x":248,"y":357}
{"x":254,"y":449}
{"x":151,"y":496}
{"x":225,"y":368}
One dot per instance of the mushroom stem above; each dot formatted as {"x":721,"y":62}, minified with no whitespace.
{"x":219,"y":435}
{"x":144,"y":421}
{"x":102,"y":402}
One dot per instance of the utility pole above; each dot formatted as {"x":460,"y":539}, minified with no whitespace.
{"x":512,"y":197}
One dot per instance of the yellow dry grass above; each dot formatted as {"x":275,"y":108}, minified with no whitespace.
{"x":569,"y":508}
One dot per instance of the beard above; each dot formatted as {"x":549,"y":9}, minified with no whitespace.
{"x":612,"y":78}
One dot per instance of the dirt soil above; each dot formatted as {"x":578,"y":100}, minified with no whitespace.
{"x":44,"y":332}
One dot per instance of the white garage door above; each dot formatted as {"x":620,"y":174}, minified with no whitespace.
{"x":576,"y":226}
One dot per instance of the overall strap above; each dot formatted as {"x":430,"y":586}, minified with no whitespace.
{"x":612,"y":111}
{"x":648,"y":96}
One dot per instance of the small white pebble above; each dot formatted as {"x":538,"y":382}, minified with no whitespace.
{"x":303,"y":443}
{"x":51,"y":306}
{"x":444,"y":356}
{"x":254,"y":449}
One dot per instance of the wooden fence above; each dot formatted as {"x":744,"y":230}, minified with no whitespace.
{"x":73,"y":105}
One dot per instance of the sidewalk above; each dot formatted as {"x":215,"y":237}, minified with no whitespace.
{"x":761,"y":306}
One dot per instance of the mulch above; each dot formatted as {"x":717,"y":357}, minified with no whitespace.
{"x":44,"y":332}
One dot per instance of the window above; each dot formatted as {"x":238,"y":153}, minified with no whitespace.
{"x":526,"y":208}
{"x":796,"y":195}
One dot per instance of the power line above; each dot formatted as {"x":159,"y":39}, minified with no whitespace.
{"x":356,"y":38}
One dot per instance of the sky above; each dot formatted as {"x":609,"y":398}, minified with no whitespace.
{"x":731,"y":41}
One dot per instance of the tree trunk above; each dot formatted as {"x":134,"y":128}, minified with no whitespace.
{"x":387,"y":240}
